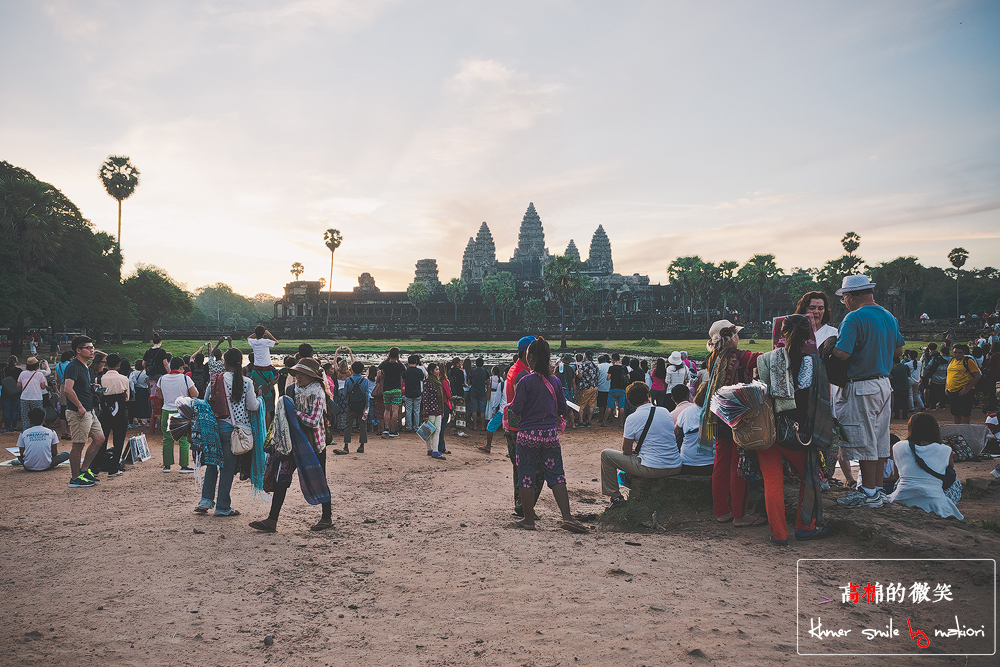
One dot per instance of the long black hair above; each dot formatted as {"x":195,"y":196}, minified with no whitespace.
{"x":796,"y":330}
{"x":661,"y":369}
{"x":234,"y":361}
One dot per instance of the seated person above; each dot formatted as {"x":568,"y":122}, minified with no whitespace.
{"x":37,"y":445}
{"x":681,"y":396}
{"x":917,"y":487}
{"x":686,"y":431}
{"x":655,"y":454}
{"x":889,"y":474}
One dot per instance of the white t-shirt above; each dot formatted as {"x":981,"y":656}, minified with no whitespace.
{"x":172,"y":387}
{"x":659,"y":449}
{"x":31,"y":385}
{"x":37,"y":442}
{"x":603,"y":383}
{"x":689,"y":420}
{"x":261,"y":348}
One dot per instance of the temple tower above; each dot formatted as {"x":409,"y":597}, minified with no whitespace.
{"x":531,"y":239}
{"x":599,"y":260}
{"x":571,"y":251}
{"x":427,"y":271}
{"x":468,"y":258}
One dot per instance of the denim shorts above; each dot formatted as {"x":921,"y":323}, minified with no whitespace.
{"x":477,"y":405}
{"x":616,"y":398}
{"x":495,"y":422}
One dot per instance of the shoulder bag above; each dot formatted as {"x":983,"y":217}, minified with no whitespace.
{"x":947,"y":479}
{"x":562,"y":420}
{"x":645,"y":430}
{"x":756,"y":429}
{"x":241,"y":440}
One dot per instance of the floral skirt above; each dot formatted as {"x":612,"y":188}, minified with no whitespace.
{"x":539,"y":447}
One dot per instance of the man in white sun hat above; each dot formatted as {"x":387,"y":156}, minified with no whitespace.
{"x":869,"y":339}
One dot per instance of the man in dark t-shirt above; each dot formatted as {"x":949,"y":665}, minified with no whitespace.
{"x":391,"y":371}
{"x":479,"y":379}
{"x":413,"y":379}
{"x":618,"y":375}
{"x":80,"y":415}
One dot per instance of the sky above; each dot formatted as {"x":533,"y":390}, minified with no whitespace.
{"x":720,"y":129}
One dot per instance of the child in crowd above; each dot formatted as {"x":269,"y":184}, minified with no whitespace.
{"x":36,"y":446}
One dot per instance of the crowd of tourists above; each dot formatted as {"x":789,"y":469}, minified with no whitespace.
{"x":832,"y":391}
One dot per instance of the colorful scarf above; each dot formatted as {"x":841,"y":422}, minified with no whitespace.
{"x":259,"y":427}
{"x":724,"y":371}
{"x":207,"y":428}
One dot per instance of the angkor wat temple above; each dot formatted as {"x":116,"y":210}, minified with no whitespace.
{"x":629,"y":301}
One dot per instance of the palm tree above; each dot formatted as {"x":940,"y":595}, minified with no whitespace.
{"x":332,"y":238}
{"x":760,"y":275}
{"x":297,"y":270}
{"x":565,"y":281}
{"x":120,"y":178}
{"x":455,"y":291}
{"x":957,"y":257}
{"x":851,"y":242}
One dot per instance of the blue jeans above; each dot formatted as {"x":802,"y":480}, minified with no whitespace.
{"x":412,"y":406}
{"x":11,"y":412}
{"x":225,"y":479}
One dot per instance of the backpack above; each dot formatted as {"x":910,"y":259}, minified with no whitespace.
{"x":199,"y":376}
{"x":357,"y":397}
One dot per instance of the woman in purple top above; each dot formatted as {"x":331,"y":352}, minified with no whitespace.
{"x":538,"y":401}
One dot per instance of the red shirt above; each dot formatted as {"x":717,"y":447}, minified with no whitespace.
{"x":515,"y":370}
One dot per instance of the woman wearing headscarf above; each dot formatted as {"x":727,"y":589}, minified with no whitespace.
{"x":797,"y":383}
{"x":728,"y":365}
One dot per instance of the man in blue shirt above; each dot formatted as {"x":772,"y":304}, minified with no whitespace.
{"x":869,"y":339}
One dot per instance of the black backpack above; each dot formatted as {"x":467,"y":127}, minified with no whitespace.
{"x":357,"y":397}
{"x":199,"y":376}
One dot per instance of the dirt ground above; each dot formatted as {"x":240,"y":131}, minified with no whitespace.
{"x":422,"y":568}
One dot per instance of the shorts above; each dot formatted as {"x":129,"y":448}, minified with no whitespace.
{"x":864,"y":409}
{"x":269,"y":402}
{"x":602,"y":400}
{"x":588,"y":398}
{"x":393,"y":397}
{"x":533,"y":447}
{"x":961,"y":406}
{"x":476,"y":405}
{"x":496,"y":422}
{"x":617,"y":398}
{"x":83,"y":426}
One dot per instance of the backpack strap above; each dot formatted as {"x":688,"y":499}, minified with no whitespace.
{"x":924,"y":466}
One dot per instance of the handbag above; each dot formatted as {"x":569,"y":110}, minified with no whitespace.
{"x":562,"y":420}
{"x":379,"y":389}
{"x":787,"y":432}
{"x":756,"y":429}
{"x":947,"y":479}
{"x":241,"y":440}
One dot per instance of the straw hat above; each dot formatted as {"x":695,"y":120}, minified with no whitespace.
{"x":675,"y":358}
{"x":307,"y":366}
{"x":854,"y":284}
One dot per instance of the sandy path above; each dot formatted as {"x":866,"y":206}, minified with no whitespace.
{"x":117,"y":575}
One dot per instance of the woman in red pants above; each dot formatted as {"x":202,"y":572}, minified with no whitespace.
{"x":797,"y":383}
{"x":727,"y":365}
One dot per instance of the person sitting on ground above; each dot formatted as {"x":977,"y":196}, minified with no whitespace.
{"x":687,"y":427}
{"x":680,"y":396}
{"x":655,"y":455}
{"x":917,"y":487}
{"x":36,"y":446}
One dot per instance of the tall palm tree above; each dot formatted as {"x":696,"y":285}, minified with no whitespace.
{"x":120,"y":178}
{"x":297,"y":270}
{"x":957,"y":257}
{"x":332,"y":238}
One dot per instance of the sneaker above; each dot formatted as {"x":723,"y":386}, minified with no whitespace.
{"x":166,"y":468}
{"x":393,"y":434}
{"x":860,"y":498}
{"x":361,"y":449}
{"x":116,"y":473}
{"x":437,"y":455}
{"x":90,"y":475}
{"x":80,"y":482}
{"x":187,"y":469}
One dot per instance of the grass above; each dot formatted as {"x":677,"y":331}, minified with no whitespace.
{"x":645,"y":347}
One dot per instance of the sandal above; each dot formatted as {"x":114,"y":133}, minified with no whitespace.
{"x":485,"y":450}
{"x":522,"y":525}
{"x":263,"y":526}
{"x":724,"y":518}
{"x":778,"y":543}
{"x":817,"y":533}
{"x":230,"y":513}
{"x":201,"y":510}
{"x":574,"y":527}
